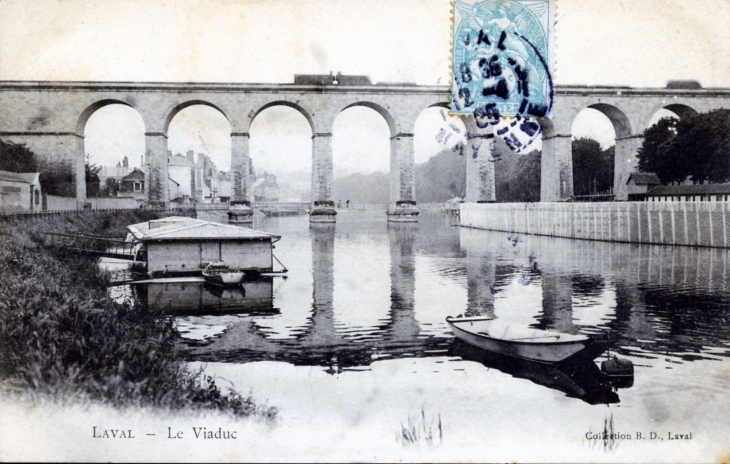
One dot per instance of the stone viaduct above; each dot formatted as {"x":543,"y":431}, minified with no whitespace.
{"x":50,"y":118}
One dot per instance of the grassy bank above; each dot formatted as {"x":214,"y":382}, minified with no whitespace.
{"x":61,"y":335}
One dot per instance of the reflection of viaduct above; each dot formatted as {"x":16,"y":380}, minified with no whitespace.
{"x":642,"y":276}
{"x":50,"y":117}
{"x":320,"y":341}
{"x":648,"y":313}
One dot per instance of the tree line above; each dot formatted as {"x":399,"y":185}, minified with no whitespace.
{"x":438,"y":180}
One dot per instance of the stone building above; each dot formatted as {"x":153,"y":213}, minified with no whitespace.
{"x":198,"y":180}
{"x":20,"y":191}
{"x":639,"y":183}
{"x":132,"y":185}
{"x":181,"y":169}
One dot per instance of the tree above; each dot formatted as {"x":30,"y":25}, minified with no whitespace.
{"x":59,"y":183}
{"x":592,"y":167}
{"x":17,"y":158}
{"x":654,"y":153}
{"x":527,"y":177}
{"x":92,"y":180}
{"x":695,"y":147}
{"x":703,"y":143}
{"x":110,"y":188}
{"x":517,"y":177}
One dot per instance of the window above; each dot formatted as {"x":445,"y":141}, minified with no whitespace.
{"x":137,"y":186}
{"x":37,"y":198}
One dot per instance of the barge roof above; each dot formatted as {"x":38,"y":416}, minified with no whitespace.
{"x":183,"y":228}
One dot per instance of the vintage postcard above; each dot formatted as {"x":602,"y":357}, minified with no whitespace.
{"x":379,"y":231}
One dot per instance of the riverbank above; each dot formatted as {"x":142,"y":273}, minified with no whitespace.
{"x":63,"y":338}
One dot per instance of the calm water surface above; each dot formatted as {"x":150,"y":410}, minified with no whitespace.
{"x":356,"y":336}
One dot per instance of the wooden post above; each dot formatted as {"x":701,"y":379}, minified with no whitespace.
{"x":686,"y":229}
{"x":724,"y":223}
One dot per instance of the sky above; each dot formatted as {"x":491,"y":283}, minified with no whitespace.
{"x":640,"y":43}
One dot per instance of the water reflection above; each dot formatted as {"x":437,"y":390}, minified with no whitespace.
{"x":402,"y":327}
{"x":658,"y":299}
{"x":321,"y":330}
{"x":557,"y":302}
{"x":323,"y":340}
{"x":361,"y":291}
{"x":481,"y":282}
{"x":200,"y":298}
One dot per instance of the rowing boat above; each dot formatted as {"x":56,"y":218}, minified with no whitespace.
{"x":219,"y":273}
{"x":524,"y":342}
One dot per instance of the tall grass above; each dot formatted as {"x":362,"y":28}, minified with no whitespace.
{"x":61,"y":335}
{"x":420,"y":430}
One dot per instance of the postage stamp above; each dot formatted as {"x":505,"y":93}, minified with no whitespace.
{"x":501,"y":58}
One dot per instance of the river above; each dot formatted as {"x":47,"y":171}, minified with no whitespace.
{"x":354,"y":341}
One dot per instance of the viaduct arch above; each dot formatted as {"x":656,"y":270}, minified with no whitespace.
{"x":49,"y":117}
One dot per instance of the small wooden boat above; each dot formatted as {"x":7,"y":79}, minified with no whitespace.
{"x":219,"y":273}
{"x":524,"y":342}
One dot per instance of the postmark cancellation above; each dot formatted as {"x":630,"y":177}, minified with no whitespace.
{"x":501,"y":58}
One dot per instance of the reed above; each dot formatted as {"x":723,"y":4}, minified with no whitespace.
{"x":420,"y":430}
{"x":61,"y":335}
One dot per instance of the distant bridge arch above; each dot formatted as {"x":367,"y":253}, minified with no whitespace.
{"x":174,"y":109}
{"x":308,"y":115}
{"x":96,"y":106}
{"x":387,"y":116}
{"x":615,"y":114}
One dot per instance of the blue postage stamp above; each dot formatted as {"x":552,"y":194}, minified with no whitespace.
{"x":501,"y":58}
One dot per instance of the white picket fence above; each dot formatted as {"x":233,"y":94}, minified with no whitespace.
{"x":671,"y":223}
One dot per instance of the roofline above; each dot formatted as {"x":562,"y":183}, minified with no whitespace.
{"x":192,"y":223}
{"x":218,"y":87}
{"x":206,"y":239}
{"x":10,"y":176}
{"x":689,"y":190}
{"x":658,"y":183}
